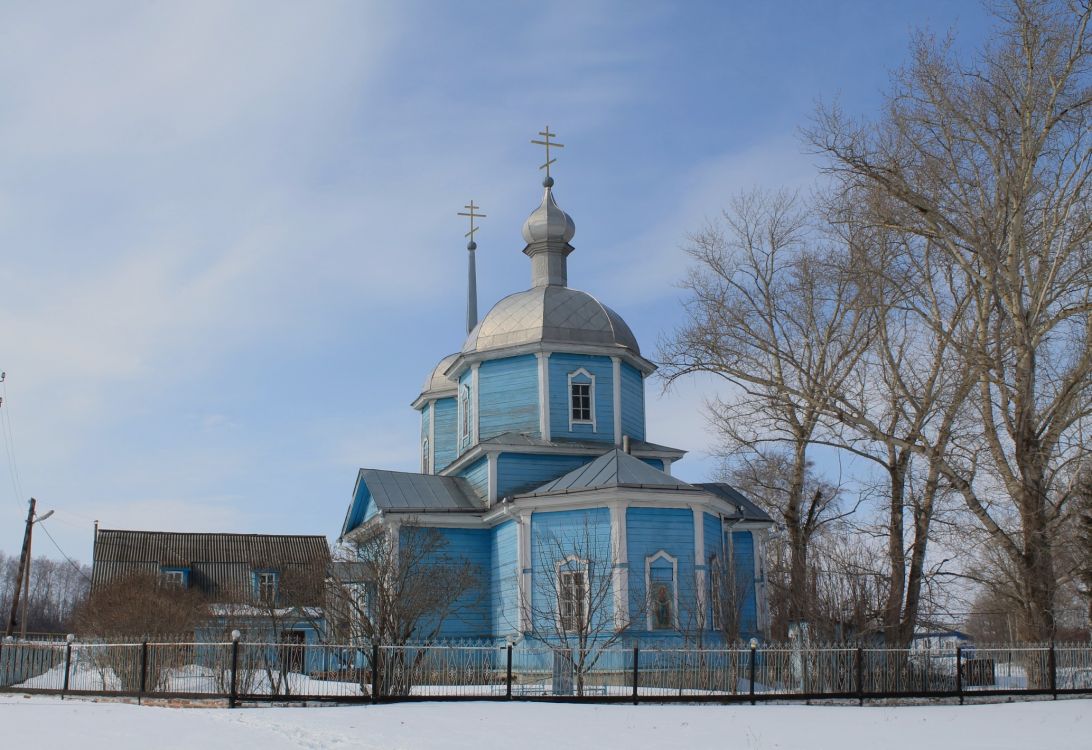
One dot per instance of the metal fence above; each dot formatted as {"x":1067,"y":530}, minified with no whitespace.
{"x":244,"y":671}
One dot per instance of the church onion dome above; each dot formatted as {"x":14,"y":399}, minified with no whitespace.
{"x":437,"y":382}
{"x":550,"y":315}
{"x":548,"y":223}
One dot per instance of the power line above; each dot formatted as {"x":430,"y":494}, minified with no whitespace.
{"x":8,"y":434}
{"x":74,"y":565}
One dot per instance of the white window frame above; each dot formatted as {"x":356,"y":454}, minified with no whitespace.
{"x":426,"y":468}
{"x":569,"y":566}
{"x":591,"y":397}
{"x":262,"y":585}
{"x":663,"y":555}
{"x":172,"y":578}
{"x":464,"y":411}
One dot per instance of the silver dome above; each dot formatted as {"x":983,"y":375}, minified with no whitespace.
{"x":437,"y":381}
{"x":548,"y":223}
{"x":551,"y":314}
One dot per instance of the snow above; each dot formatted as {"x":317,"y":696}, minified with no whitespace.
{"x":48,"y":722}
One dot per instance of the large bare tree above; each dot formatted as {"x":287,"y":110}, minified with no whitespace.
{"x":773,"y":309}
{"x":989,"y":162}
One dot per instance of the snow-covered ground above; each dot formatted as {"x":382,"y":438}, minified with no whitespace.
{"x":46,"y":722}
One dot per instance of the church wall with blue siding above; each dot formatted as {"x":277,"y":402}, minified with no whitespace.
{"x":504,"y":573}
{"x":472,"y":613}
{"x":743,"y":560}
{"x":602,"y":369}
{"x":444,"y":449}
{"x":633,"y":402}
{"x":649,"y":531}
{"x":520,"y":472}
{"x":477,"y":474}
{"x":508,"y":396}
{"x":559,"y":534}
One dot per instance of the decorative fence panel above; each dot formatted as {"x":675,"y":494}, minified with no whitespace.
{"x":255,"y":672}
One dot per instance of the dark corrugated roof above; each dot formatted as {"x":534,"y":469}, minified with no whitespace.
{"x":220,"y":564}
{"x":614,"y":468}
{"x":748,"y":510}
{"x":401,"y":490}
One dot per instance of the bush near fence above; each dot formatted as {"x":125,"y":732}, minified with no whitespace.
{"x":253,"y":671}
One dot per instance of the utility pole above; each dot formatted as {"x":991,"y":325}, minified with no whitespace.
{"x":24,"y":564}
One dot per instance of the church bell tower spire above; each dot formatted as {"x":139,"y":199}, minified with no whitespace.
{"x":471,"y":267}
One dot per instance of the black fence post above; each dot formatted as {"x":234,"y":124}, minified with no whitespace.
{"x":233,"y":696}
{"x":1053,"y":659}
{"x":143,"y":670}
{"x":67,"y":664}
{"x":375,"y":672}
{"x":636,"y":671}
{"x":959,"y":673}
{"x":859,"y":668}
{"x":508,"y":676}
{"x":751,"y":670}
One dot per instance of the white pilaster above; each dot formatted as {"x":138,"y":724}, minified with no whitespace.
{"x":617,"y":362}
{"x":700,"y":566}
{"x":667,"y":466}
{"x":619,"y":564}
{"x":543,"y":394}
{"x":523,"y":562}
{"x":475,"y":421}
{"x":491,"y":491}
{"x":432,"y":436}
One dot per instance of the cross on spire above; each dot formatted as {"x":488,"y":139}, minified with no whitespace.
{"x":471,"y":208}
{"x":547,"y":135}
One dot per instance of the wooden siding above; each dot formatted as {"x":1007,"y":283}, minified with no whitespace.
{"x":743,"y":562}
{"x":521,"y":472}
{"x":477,"y":474}
{"x":508,"y":396}
{"x":603,"y":370}
{"x":655,"y":463}
{"x":426,"y":423}
{"x":470,"y":617}
{"x":633,"y":402}
{"x":649,"y":531}
{"x":570,"y":533}
{"x":361,"y":508}
{"x":446,"y":415}
{"x":504,"y":580}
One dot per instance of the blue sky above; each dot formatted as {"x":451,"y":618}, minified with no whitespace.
{"x":228,"y":233}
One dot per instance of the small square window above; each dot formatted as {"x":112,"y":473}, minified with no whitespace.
{"x":173,"y":578}
{"x":267,"y":586}
{"x":580,"y":397}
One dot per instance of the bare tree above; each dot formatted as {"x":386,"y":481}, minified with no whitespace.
{"x":772,"y":309}
{"x":394,"y":586}
{"x":573,"y":605}
{"x":990,"y":164}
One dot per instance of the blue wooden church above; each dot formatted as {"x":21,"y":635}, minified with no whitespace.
{"x":535,"y":466}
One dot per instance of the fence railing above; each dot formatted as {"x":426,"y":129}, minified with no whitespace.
{"x":252,"y":671}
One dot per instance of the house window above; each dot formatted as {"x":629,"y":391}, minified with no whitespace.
{"x":266,"y":584}
{"x":661,"y":572}
{"x":580,"y":396}
{"x":173,"y":578}
{"x":465,"y":403}
{"x":572,"y":595}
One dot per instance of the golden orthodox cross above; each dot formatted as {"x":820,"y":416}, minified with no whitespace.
{"x":470,"y":213}
{"x":547,"y":135}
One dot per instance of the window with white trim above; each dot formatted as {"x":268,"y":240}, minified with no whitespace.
{"x":464,"y":405}
{"x":572,"y":595}
{"x":265,"y":583}
{"x":172,"y":578}
{"x":581,"y":398}
{"x":425,"y":458}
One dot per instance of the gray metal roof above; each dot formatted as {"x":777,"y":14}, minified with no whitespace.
{"x":437,"y":381}
{"x":615,"y":468}
{"x":220,"y":564}
{"x":748,"y":511}
{"x":550,"y":314}
{"x":405,"y":491}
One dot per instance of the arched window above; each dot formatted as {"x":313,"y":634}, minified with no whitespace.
{"x":572,"y":595}
{"x":661,"y":581}
{"x":581,"y":398}
{"x":426,"y":462}
{"x":464,"y":405}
